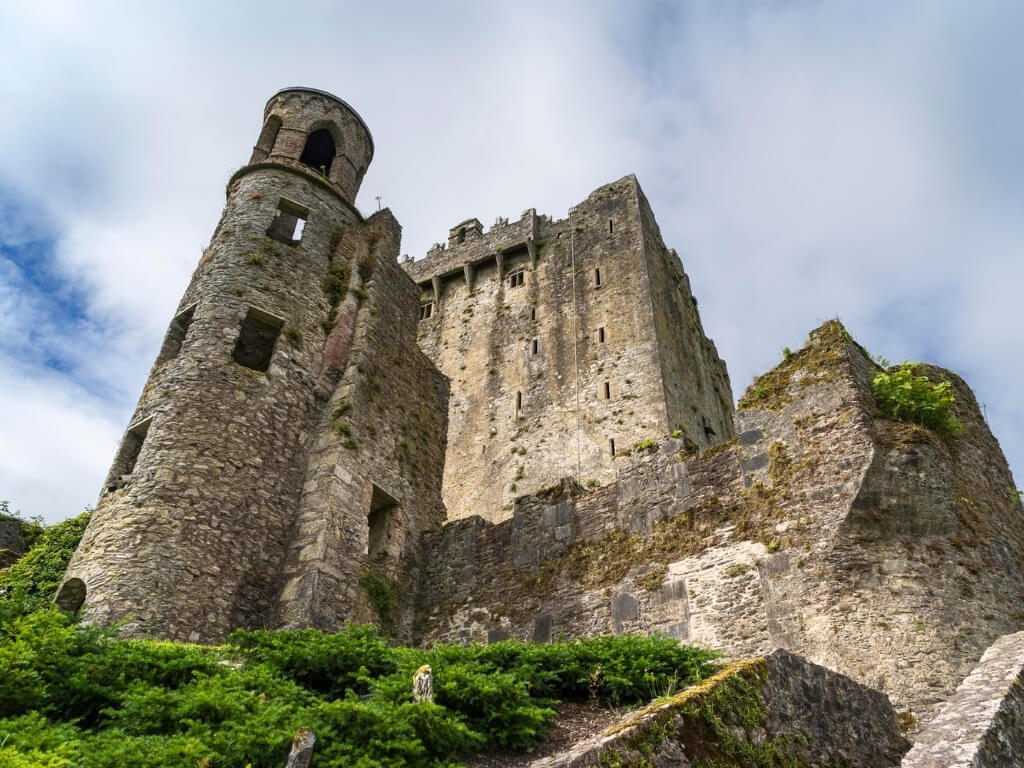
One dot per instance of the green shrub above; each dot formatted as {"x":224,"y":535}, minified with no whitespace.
{"x":917,"y":400}
{"x":330,"y":664}
{"x":31,"y":583}
{"x":77,"y":696}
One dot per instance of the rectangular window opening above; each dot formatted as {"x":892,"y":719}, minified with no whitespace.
{"x":176,"y":333}
{"x":607,"y":391}
{"x":519,"y":404}
{"x":382,"y":521}
{"x":289,"y":222}
{"x":255,"y":345}
{"x":597,"y":277}
{"x":611,"y":445}
{"x":535,"y":346}
{"x":610,"y":228}
{"x":533,"y":313}
{"x":517,"y":278}
{"x":426,"y":310}
{"x":127,"y":455}
{"x":600,"y":335}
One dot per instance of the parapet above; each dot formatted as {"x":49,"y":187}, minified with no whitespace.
{"x":318,"y":133}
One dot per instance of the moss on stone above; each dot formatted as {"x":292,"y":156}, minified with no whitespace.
{"x":815,"y":362}
{"x":720,"y":720}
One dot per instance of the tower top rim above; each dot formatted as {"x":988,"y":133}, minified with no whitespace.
{"x":330,"y":95}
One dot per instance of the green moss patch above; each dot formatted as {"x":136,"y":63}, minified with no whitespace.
{"x":818,"y":361}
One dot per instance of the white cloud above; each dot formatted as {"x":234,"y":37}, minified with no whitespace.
{"x":807,"y":160}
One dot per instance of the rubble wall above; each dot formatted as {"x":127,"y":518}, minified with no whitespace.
{"x":812,"y":530}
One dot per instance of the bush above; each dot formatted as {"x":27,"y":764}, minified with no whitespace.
{"x":77,"y":696}
{"x":917,"y":400}
{"x":30,"y":583}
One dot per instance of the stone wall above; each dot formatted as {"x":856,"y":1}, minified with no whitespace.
{"x":777,"y":710}
{"x":551,"y":376}
{"x":191,"y":533}
{"x":10,"y":541}
{"x":982,"y":724}
{"x":377,"y":438}
{"x":867,"y":545}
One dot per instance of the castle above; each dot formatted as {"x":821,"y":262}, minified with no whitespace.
{"x":526,"y":434}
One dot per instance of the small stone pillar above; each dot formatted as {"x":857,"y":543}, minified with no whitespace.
{"x":302,"y":749}
{"x":423,"y":684}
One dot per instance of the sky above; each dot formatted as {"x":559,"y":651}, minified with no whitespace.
{"x":808,"y":160}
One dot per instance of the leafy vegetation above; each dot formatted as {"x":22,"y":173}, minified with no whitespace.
{"x":75,"y":695}
{"x":29,"y":584}
{"x":916,"y":399}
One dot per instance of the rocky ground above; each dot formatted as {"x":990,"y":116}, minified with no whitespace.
{"x":575,"y":721}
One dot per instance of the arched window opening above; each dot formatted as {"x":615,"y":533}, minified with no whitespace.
{"x":71,"y":596}
{"x":268,"y":136}
{"x":319,"y":151}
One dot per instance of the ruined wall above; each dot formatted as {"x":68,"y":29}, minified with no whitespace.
{"x":575,"y":346}
{"x":373,"y":481}
{"x":776,"y":710}
{"x":982,"y":724}
{"x":816,"y":530}
{"x":189,"y":534}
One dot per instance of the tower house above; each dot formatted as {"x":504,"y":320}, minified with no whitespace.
{"x":568,"y":343}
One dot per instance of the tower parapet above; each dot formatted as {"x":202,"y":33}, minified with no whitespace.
{"x":315,"y":132}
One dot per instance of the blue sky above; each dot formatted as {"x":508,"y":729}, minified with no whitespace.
{"x":807,"y":160}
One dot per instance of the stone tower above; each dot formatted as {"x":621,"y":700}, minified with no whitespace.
{"x":265,"y":470}
{"x":567,"y":344}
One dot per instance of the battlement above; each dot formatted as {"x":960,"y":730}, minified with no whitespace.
{"x":469,"y":245}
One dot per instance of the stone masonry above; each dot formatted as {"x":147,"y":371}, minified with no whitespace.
{"x":982,"y":724}
{"x":265,"y":468}
{"x":565,"y":341}
{"x":527,"y":435}
{"x":867,"y":545}
{"x":774,"y":710}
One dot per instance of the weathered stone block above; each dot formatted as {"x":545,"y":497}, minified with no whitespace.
{"x":779,"y":709}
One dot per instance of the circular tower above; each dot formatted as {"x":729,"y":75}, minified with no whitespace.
{"x":193,"y":520}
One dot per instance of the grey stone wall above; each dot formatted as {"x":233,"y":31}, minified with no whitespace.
{"x":10,"y":534}
{"x":596,"y":374}
{"x":775,"y":710}
{"x":982,"y":724}
{"x":382,"y":429}
{"x":867,"y":545}
{"x":192,"y":542}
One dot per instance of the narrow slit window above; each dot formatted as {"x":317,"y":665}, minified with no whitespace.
{"x":610,"y":227}
{"x":519,"y":404}
{"x":597,"y":277}
{"x":611,"y":445}
{"x":535,"y":346}
{"x":176,"y":334}
{"x":382,"y":522}
{"x":127,"y":455}
{"x":255,"y":345}
{"x":607,"y":391}
{"x":517,"y":279}
{"x":289,"y":222}
{"x":533,"y":313}
{"x":426,"y":310}
{"x":600,"y":335}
